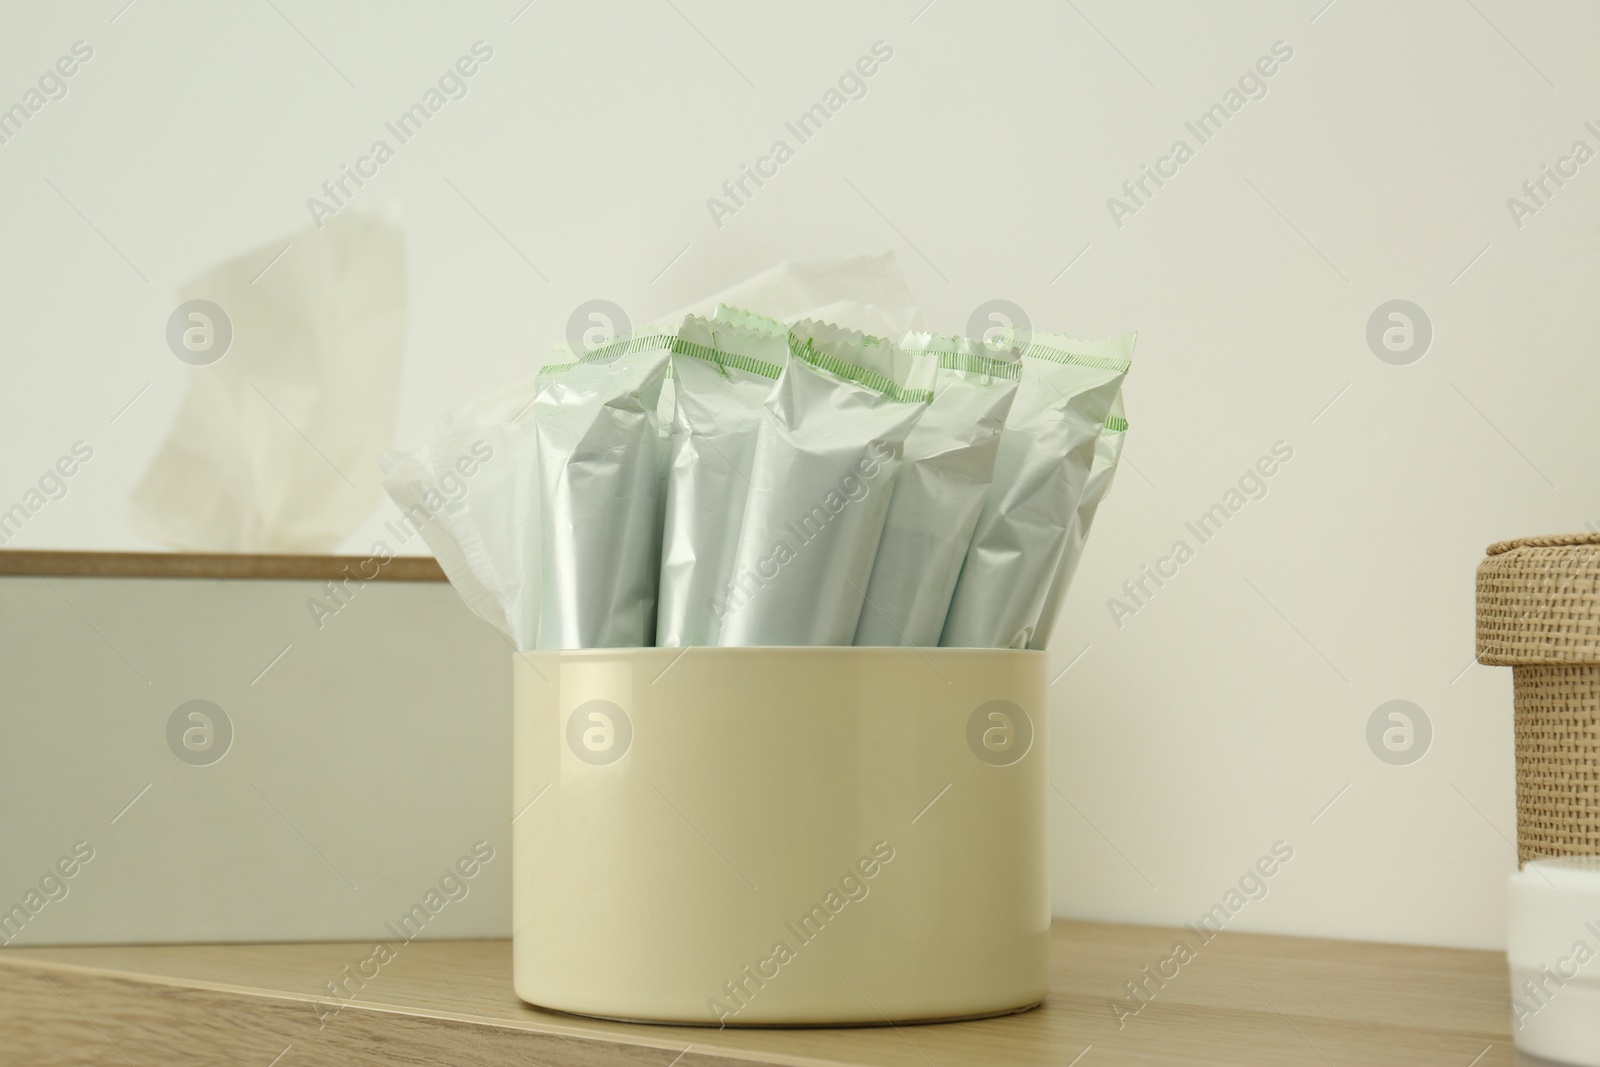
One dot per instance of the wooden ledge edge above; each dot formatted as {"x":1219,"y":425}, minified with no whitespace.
{"x":35,"y":563}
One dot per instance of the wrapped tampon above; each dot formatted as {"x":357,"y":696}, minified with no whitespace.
{"x":1068,"y":387}
{"x":831,"y":439}
{"x":598,"y":440}
{"x":938,"y":492}
{"x":1107,"y":452}
{"x":722,"y":374}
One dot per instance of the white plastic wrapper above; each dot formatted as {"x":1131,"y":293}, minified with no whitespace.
{"x":830,"y":444}
{"x":866,"y":293}
{"x":722,"y":374}
{"x":1068,"y":387}
{"x":847,"y":315}
{"x":599,"y":444}
{"x":1107,"y":452}
{"x":475,"y":516}
{"x":939,"y":491}
{"x":729,"y":315}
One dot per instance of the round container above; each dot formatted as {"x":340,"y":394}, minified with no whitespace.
{"x":780,"y":836}
{"x":1553,"y":946}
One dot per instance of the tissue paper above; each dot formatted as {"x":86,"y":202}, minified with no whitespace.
{"x":274,"y":446}
{"x":485,"y":533}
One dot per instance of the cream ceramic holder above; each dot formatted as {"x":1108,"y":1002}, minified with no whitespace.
{"x":780,"y":836}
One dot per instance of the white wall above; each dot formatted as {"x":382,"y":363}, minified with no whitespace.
{"x":1226,"y":713}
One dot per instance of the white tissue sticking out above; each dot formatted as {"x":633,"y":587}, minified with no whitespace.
{"x":274,"y":445}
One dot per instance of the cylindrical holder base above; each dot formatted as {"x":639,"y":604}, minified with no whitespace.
{"x":781,"y":836}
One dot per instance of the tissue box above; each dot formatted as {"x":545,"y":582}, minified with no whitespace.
{"x":249,"y":748}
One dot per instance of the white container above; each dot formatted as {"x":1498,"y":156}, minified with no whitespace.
{"x":1553,"y":946}
{"x":780,"y":836}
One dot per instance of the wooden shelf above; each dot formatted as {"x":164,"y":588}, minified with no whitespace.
{"x":32,"y":563}
{"x":1243,"y":999}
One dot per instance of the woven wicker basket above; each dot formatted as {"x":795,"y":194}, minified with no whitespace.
{"x":1539,"y":613}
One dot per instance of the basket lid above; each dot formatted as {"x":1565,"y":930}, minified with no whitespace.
{"x":1539,"y":601}
{"x":1545,"y":541}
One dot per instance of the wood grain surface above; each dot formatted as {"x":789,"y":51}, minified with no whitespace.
{"x":1242,"y":999}
{"x":216,"y":565}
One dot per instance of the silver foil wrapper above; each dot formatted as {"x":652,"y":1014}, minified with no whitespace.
{"x":722,"y":374}
{"x":1107,"y":451}
{"x":598,"y":439}
{"x":938,"y":492}
{"x":831,"y":439}
{"x":1068,"y":387}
